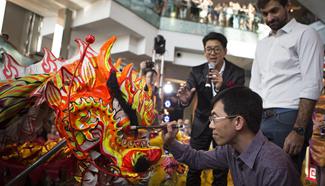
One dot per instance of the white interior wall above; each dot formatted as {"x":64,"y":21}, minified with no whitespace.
{"x":188,"y":58}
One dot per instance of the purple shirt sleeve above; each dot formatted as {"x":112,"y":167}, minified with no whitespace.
{"x":199,"y":159}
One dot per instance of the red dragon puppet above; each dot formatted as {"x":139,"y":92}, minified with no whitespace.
{"x":95,"y":104}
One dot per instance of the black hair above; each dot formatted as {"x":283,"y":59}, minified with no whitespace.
{"x":215,"y":36}
{"x":261,"y":3}
{"x":150,"y":67}
{"x":146,"y":70}
{"x":242,"y":101}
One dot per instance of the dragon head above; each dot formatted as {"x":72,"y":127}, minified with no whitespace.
{"x":95,"y":103}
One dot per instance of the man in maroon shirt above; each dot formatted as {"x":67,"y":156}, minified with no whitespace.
{"x":235,"y":121}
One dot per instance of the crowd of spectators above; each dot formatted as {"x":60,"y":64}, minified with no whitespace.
{"x":226,"y":14}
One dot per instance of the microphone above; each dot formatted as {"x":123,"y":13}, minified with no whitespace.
{"x":208,"y":81}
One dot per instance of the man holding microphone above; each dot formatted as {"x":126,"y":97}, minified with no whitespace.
{"x":207,"y":80}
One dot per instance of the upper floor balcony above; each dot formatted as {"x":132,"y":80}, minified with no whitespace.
{"x":183,"y":23}
{"x":137,"y":22}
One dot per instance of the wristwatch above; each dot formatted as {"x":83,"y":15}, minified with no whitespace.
{"x":299,"y":130}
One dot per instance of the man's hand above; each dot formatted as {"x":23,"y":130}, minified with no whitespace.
{"x":184,"y":94}
{"x":293,"y":143}
{"x":170,"y":132}
{"x":216,"y":78}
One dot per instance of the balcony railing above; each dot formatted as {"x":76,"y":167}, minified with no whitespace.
{"x":144,"y":9}
{"x":195,"y":18}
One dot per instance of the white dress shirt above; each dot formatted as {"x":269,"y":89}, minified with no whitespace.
{"x":288,"y":66}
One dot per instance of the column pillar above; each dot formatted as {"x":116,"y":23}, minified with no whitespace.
{"x":62,"y":33}
{"x":2,"y":12}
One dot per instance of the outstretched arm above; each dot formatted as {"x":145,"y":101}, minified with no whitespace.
{"x":193,"y":158}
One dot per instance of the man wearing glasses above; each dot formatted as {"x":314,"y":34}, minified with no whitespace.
{"x":235,"y":122}
{"x":207,"y":80}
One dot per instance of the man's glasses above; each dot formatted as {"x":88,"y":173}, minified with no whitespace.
{"x":215,"y":119}
{"x":216,"y":50}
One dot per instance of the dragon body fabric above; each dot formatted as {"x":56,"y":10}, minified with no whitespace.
{"x":95,"y":103}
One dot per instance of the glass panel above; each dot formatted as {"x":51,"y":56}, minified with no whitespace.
{"x":146,"y":9}
{"x":195,"y":17}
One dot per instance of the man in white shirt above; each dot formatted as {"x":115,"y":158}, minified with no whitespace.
{"x":287,"y":74}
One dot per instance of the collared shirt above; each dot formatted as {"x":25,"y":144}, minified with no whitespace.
{"x":220,"y":72}
{"x":288,"y":66}
{"x":262,"y":163}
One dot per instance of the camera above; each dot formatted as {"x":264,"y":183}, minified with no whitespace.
{"x":150,"y":65}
